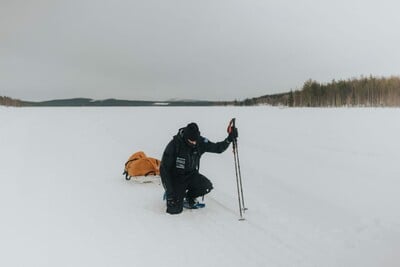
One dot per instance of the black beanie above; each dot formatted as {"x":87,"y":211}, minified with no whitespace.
{"x":191,"y":132}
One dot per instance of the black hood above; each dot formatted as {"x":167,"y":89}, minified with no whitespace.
{"x":180,"y":136}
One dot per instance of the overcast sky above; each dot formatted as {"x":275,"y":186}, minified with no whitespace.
{"x":190,"y":49}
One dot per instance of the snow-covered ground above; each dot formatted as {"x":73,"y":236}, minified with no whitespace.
{"x":322,"y":187}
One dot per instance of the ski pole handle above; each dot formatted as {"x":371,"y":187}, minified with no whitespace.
{"x":232,"y":131}
{"x":231,"y":125}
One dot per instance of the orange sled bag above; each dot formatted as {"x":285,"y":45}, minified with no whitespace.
{"x":140,"y":165}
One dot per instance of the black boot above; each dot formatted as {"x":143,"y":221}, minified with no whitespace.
{"x":190,"y":202}
{"x":174,"y":206}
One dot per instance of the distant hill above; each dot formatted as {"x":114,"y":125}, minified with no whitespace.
{"x":87,"y":102}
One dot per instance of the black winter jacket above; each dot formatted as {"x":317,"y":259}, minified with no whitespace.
{"x":180,"y":161}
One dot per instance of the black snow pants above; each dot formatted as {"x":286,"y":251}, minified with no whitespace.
{"x":191,"y":187}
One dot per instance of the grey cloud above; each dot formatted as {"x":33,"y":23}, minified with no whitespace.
{"x":190,"y":49}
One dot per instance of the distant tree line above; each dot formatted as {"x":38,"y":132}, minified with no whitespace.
{"x":358,"y":92}
{"x":363,"y":92}
{"x":8,"y":101}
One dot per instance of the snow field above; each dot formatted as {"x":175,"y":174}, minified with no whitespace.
{"x":321,"y":186}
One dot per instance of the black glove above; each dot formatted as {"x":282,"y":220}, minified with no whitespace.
{"x":233,"y":134}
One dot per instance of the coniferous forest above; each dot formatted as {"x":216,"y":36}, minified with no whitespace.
{"x":8,"y":101}
{"x":363,"y":92}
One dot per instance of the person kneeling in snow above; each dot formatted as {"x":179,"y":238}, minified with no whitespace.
{"x":179,"y":167}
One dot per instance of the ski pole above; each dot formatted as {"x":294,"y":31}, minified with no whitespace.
{"x":238,"y":185}
{"x":240,"y":176}
{"x":237,"y":172}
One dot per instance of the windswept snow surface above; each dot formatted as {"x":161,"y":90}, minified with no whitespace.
{"x":322,"y":187}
